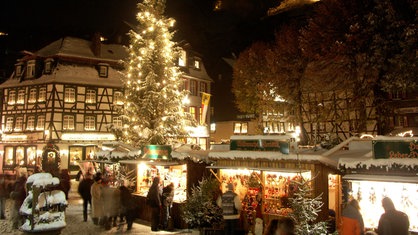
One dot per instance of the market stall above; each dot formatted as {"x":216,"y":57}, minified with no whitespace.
{"x":382,"y":167}
{"x":181,"y":169}
{"x":264,"y":179}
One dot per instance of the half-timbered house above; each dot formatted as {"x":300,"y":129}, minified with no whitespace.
{"x":65,"y":97}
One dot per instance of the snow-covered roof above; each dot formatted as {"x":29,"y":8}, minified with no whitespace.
{"x":42,"y":180}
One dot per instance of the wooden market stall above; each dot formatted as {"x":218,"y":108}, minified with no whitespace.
{"x":378,"y":167}
{"x":263,"y":177}
{"x":183,"y":169}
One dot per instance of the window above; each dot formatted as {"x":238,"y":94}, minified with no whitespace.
{"x":203,"y":88}
{"x":68,"y":122}
{"x":19,"y":124}
{"x":30,"y":69}
{"x":397,"y":94}
{"x":184,"y":85}
{"x":40,"y":124}
{"x":192,"y":111}
{"x":183,"y":58}
{"x":90,"y":123}
{"x":103,"y":70}
{"x":69,"y":95}
{"x":117,"y":122}
{"x":193,"y":87}
{"x":31,"y":156}
{"x":18,"y":70}
{"x":8,"y":156}
{"x":20,"y":156}
{"x":90,"y":96}
{"x":12,"y":97}
{"x":48,"y":66}
{"x":30,"y":124}
{"x":118,"y":98}
{"x":197,"y":64}
{"x":42,"y":94}
{"x":20,"y":97}
{"x":240,"y":128}
{"x":9,"y":123}
{"x":32,"y":95}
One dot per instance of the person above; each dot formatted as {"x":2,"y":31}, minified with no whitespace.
{"x":331,"y":222}
{"x":392,"y":221}
{"x":352,"y":220}
{"x":65,"y":182}
{"x":111,"y":204}
{"x":3,"y":196}
{"x":128,"y":206}
{"x":84,"y":189}
{"x":154,"y":201}
{"x":280,"y":226}
{"x":18,"y":195}
{"x":167,"y":197}
{"x":96,"y":199}
{"x":231,"y":209}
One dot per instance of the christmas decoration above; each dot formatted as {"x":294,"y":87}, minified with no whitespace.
{"x":152,"y":112}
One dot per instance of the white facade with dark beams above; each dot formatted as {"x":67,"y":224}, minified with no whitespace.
{"x":68,"y":93}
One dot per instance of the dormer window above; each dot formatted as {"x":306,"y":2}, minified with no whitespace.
{"x":103,"y":70}
{"x":48,"y":66}
{"x":18,"y":69}
{"x":197,"y":64}
{"x":183,"y":58}
{"x":30,"y":69}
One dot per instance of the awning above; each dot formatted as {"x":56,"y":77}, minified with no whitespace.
{"x":384,"y":178}
{"x":152,"y":163}
{"x":98,"y":161}
{"x":287,"y":170}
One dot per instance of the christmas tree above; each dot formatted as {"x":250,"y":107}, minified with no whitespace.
{"x":305,"y":209}
{"x":153,"y":111}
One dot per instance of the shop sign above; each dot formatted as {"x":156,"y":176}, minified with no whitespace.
{"x":161,"y":152}
{"x":260,"y":145}
{"x":395,"y":149}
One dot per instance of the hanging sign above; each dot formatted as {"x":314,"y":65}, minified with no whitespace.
{"x":160,"y":152}
{"x":260,"y":145}
{"x":384,"y":149}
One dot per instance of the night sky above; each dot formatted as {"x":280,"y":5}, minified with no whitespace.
{"x":31,"y":25}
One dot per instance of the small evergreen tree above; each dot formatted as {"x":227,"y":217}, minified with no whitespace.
{"x":153,"y":97}
{"x":306,"y":208}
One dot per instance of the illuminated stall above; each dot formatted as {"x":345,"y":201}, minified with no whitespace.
{"x":382,"y":167}
{"x":179,"y":169}
{"x":264,"y":180}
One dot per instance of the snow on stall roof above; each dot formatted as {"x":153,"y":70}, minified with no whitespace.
{"x":42,"y":175}
{"x":53,"y":197}
{"x":55,"y":220}
{"x":26,"y":208}
{"x":42,"y":179}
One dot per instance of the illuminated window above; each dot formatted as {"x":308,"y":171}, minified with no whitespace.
{"x":30,"y":69}
{"x":213,"y":127}
{"x":40,"y":124}
{"x":197,"y":64}
{"x":90,"y":123}
{"x":32,"y":95}
{"x":193,"y":87}
{"x":192,"y":111}
{"x":42,"y":94}
{"x":118,"y":98}
{"x":184,"y":85}
{"x":69,"y":95}
{"x":9,"y":123}
{"x":90,"y":96}
{"x":20,"y":97}
{"x":12,"y":97}
{"x":18,"y":70}
{"x":8,"y":155}
{"x":31,"y":156}
{"x":240,"y":128}
{"x":19,"y":124}
{"x":30,"y":124}
{"x":183,"y":58}
{"x":117,"y":122}
{"x":20,"y":156}
{"x":103,"y":70}
{"x":200,"y":114}
{"x":68,"y":122}
{"x":203,"y":88}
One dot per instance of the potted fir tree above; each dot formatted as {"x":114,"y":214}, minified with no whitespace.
{"x":200,"y":209}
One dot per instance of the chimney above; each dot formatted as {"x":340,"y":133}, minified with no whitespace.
{"x":96,"y":44}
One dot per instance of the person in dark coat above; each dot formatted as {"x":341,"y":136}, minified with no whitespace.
{"x":167,"y":197}
{"x":128,"y":206}
{"x":154,"y":201}
{"x":3,"y":196}
{"x":18,"y":195}
{"x":392,"y":222}
{"x":84,"y":189}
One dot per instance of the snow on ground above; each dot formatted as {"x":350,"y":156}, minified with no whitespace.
{"x":76,"y":225}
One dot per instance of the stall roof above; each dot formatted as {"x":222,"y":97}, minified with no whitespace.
{"x":287,"y":170}
{"x":148,"y":162}
{"x":303,"y":155}
{"x":98,"y":161}
{"x":384,"y":178}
